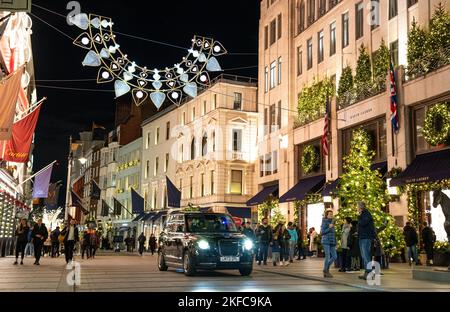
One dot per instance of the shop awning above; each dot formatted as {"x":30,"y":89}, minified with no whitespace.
{"x":157,"y":215}
{"x":425,"y":168}
{"x":204,"y":209}
{"x":259,"y":198}
{"x":139,"y":217}
{"x":331,"y":187}
{"x":240,"y":212}
{"x":305,"y":186}
{"x":148,"y":216}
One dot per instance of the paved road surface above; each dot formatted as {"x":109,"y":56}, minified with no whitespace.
{"x":131,"y":273}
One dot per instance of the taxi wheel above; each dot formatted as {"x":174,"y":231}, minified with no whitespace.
{"x":246,"y":271}
{"x":188,"y":265}
{"x":161,"y":262}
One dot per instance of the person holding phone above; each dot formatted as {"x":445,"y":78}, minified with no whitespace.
{"x":328,"y":241}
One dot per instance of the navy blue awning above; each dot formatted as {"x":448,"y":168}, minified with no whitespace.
{"x":158,"y":215}
{"x":261,"y":197}
{"x":240,"y":212}
{"x":305,"y":186}
{"x":148,"y":216}
{"x":139,"y":217}
{"x":330,"y":187}
{"x":425,"y":168}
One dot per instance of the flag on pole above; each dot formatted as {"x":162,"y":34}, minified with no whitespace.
{"x":117,"y":207}
{"x":51,"y":202}
{"x":9,"y":93}
{"x":77,"y":202}
{"x":42,"y":183}
{"x":17,"y":149}
{"x":95,"y":190}
{"x":173,"y":194}
{"x":105,"y":209}
{"x":137,"y":202}
{"x":326,"y":129}
{"x":394,"y":108}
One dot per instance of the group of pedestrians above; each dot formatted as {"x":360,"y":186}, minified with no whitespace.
{"x":36,"y":236}
{"x":412,"y":239}
{"x":358,"y":239}
{"x":151,"y":243}
{"x":282,"y":240}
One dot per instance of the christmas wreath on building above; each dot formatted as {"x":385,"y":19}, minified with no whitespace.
{"x":310,"y":159}
{"x":437,"y":124}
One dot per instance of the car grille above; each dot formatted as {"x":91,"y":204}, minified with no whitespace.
{"x":229,"y":248}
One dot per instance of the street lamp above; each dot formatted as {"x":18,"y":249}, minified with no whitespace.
{"x":82,"y":160}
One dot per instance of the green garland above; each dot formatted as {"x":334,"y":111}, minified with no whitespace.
{"x":266,"y":208}
{"x":437,"y":124}
{"x":310,"y":159}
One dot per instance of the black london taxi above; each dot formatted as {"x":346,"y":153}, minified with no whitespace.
{"x":204,"y":241}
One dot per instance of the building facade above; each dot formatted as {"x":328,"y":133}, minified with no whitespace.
{"x":205,"y":147}
{"x":303,"y":42}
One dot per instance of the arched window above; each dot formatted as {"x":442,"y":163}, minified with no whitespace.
{"x":193,"y":149}
{"x":204,"y":144}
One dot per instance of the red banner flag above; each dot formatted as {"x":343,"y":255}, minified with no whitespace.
{"x":9,"y":93}
{"x":18,"y":148}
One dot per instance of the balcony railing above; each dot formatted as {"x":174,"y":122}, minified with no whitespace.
{"x":364,"y":92}
{"x":427,"y":64}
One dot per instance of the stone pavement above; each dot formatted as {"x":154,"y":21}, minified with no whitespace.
{"x":129,"y":272}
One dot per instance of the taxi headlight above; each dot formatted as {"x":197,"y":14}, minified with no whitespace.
{"x":248,"y":244}
{"x":203,"y":244}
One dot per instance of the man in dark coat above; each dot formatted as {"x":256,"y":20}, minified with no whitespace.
{"x":264,"y":236}
{"x":71,"y":236}
{"x":411,"y":240}
{"x":366,"y":235}
{"x":39,"y":235}
{"x":428,"y":239}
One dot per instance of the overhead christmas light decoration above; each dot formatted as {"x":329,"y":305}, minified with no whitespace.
{"x":183,"y":78}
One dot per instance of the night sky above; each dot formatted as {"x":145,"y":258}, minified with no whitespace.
{"x":66,"y":112}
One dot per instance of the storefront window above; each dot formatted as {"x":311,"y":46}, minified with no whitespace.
{"x":378,"y":139}
{"x":319,"y":168}
{"x":420,"y":143}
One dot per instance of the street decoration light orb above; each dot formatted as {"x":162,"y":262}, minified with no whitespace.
{"x":184,"y":78}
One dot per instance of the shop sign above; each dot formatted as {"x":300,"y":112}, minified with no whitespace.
{"x":15,"y":5}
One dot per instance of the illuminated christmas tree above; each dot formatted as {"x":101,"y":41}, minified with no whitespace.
{"x":360,"y":183}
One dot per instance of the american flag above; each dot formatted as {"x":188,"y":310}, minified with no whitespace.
{"x":326,"y":129}
{"x":394,"y":112}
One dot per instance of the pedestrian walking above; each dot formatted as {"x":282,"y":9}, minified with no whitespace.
{"x":345,"y":246}
{"x":94,"y":243}
{"x":21,"y":240}
{"x":86,"y":245}
{"x":355,"y":253}
{"x":47,"y":249}
{"x":312,"y":242}
{"x":328,"y":241}
{"x":39,"y":235}
{"x":300,"y":246}
{"x":366,"y":235}
{"x":264,"y":236}
{"x":141,"y":241}
{"x":70,"y":238}
{"x":29,"y":248}
{"x":411,"y":240}
{"x":276,"y":250}
{"x":247,"y":231}
{"x":152,"y":243}
{"x":428,"y":239}
{"x":55,"y":242}
{"x":283,"y":237}
{"x":293,"y":240}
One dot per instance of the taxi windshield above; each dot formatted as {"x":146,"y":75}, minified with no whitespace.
{"x":210,"y":223}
